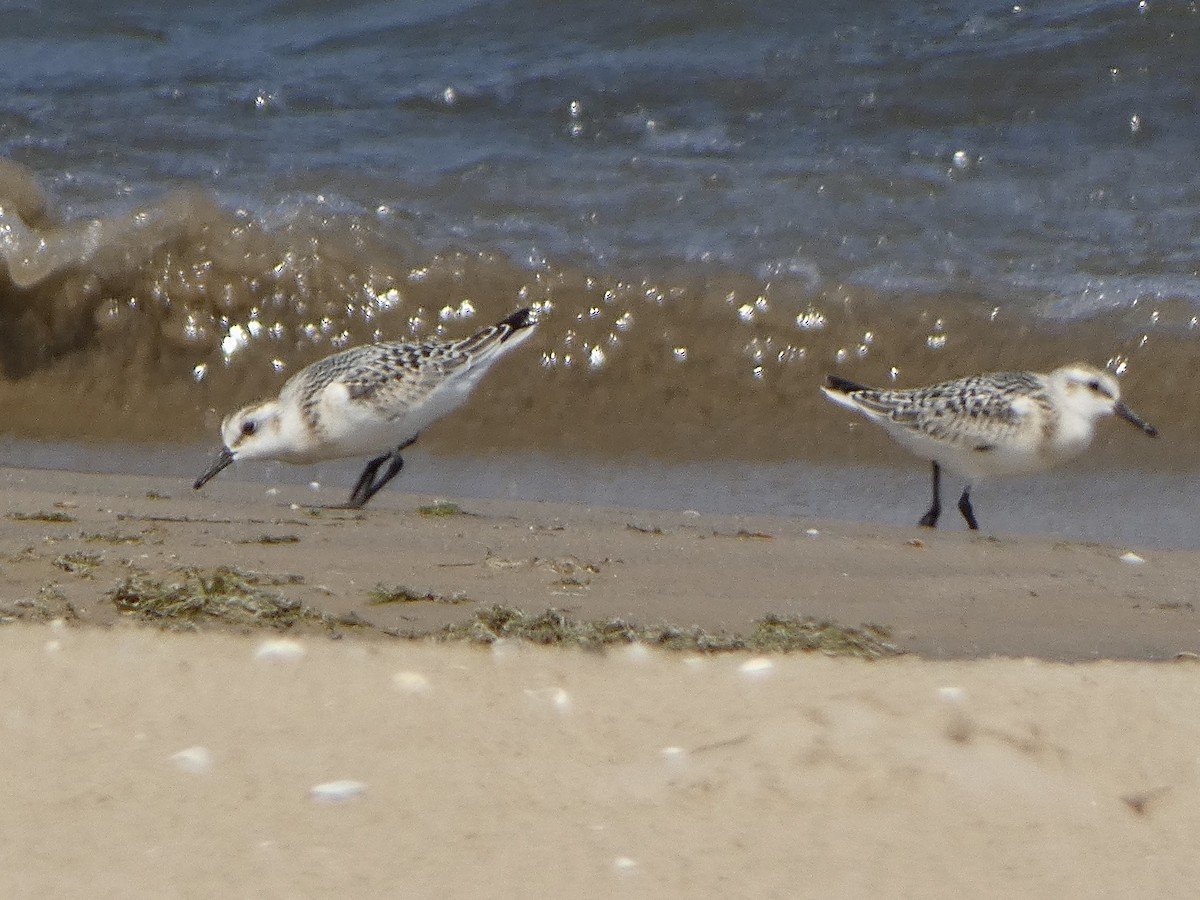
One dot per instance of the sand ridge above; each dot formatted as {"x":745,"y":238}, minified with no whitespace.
{"x":548,"y":773}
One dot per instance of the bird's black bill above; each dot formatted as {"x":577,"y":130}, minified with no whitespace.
{"x":224,"y":458}
{"x":1134,"y":419}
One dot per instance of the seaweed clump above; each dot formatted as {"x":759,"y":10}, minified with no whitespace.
{"x":771,"y":634}
{"x":788,"y":634}
{"x":49,"y":604}
{"x":440,"y":509}
{"x":42,"y":516}
{"x":382,"y":595}
{"x":224,"y":595}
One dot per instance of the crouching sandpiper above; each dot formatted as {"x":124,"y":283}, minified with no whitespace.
{"x":984,"y":426}
{"x":373,"y":399}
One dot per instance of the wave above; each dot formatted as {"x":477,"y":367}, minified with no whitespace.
{"x":150,"y":324}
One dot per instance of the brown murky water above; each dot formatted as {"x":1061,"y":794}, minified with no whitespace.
{"x":148,"y":327}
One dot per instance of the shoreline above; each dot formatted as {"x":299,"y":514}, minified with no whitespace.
{"x":1081,"y":502}
{"x":74,"y":538}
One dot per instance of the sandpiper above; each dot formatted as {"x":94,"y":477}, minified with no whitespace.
{"x":371,"y":399}
{"x":1002,"y":423}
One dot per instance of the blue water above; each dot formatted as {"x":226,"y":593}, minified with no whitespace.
{"x":1041,"y":155}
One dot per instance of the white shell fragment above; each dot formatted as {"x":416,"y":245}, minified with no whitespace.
{"x":336,"y":791}
{"x":193,"y":760}
{"x":959,"y":726}
{"x":674,"y":755}
{"x":410,"y":683}
{"x":812,"y":532}
{"x":625,"y":864}
{"x":504,"y":649}
{"x":280,"y":650}
{"x":1132,"y":558}
{"x":758,"y":667}
{"x":637,"y":653}
{"x":556,"y":696}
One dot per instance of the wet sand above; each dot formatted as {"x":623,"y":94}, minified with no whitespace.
{"x":941,"y":594}
{"x":994,"y":759}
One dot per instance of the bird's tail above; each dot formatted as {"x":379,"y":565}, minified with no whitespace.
{"x":518,"y":321}
{"x":853,"y":395}
{"x":501,"y":337}
{"x":843,"y":385}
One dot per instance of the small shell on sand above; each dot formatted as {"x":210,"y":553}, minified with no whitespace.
{"x":336,"y":791}
{"x":280,"y":650}
{"x":193,"y":760}
{"x":410,"y":683}
{"x":1132,"y":558}
{"x":758,"y":667}
{"x":637,"y":653}
{"x":674,"y":755}
{"x":556,"y":696}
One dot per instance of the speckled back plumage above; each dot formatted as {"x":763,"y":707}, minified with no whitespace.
{"x":977,"y":410}
{"x":393,"y":377}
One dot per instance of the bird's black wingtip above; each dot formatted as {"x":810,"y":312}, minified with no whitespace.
{"x":526,"y":317}
{"x":838,"y":383}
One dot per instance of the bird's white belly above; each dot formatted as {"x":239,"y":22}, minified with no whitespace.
{"x":1018,"y":455}
{"x":356,"y":428}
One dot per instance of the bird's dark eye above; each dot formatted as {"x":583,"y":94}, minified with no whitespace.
{"x":249,"y":426}
{"x":1094,"y":385}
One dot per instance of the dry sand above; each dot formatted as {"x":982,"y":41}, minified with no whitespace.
{"x":530,"y":772}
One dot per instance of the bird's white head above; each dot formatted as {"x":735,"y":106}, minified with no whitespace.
{"x":1090,"y":393}
{"x":253,"y":432}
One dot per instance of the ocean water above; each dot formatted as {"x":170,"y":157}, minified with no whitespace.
{"x":716,"y":204}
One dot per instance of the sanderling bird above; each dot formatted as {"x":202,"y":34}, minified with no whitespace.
{"x":371,"y":399}
{"x":1003,"y":423}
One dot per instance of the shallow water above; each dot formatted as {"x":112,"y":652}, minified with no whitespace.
{"x":1136,"y":509}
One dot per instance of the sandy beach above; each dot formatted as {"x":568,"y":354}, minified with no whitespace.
{"x":647,"y":615}
{"x":1033,"y":739}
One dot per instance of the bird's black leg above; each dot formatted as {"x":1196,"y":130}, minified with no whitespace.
{"x":393,"y":469}
{"x":367,"y":487}
{"x":929,"y":520}
{"x":362,"y":486}
{"x":964,"y":507}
